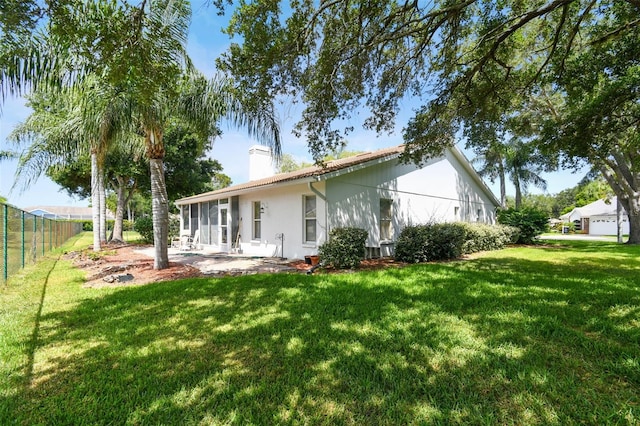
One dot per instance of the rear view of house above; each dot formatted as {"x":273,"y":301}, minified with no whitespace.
{"x":291,"y":214}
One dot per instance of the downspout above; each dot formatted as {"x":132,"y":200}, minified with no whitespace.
{"x":326,"y":217}
{"x":318,"y":193}
{"x":324,"y":198}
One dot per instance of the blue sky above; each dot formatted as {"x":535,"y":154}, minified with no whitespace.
{"x":206,"y":43}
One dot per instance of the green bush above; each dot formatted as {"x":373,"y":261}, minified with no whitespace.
{"x":174,"y":227}
{"x":446,"y":240}
{"x":87,"y":224}
{"x":345,"y":248}
{"x":482,"y":237}
{"x":412,"y":244}
{"x":443,"y":241}
{"x":530,"y":222}
{"x":436,"y":241}
{"x":144,"y":227}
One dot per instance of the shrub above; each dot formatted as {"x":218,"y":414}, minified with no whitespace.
{"x":530,"y":222}
{"x":482,"y":237}
{"x":174,"y":227}
{"x":423,"y":243}
{"x":144,"y":227}
{"x":446,"y":240}
{"x":412,"y":243}
{"x":345,"y":248}
{"x":443,"y":241}
{"x":87,"y":224}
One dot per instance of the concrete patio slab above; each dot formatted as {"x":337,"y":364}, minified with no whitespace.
{"x":217,"y":263}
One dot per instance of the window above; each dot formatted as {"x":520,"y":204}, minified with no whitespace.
{"x":257,"y":214}
{"x":194,"y":219}
{"x":479,"y":215}
{"x":213,"y":221}
{"x":310,"y":219}
{"x":204,"y":223}
{"x":386,"y":229}
{"x":185,"y":218}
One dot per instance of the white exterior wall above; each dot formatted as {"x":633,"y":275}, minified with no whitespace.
{"x":283,"y":214}
{"x":441,"y":191}
{"x":607,"y":225}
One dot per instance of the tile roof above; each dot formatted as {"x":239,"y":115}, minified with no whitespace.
{"x":329,"y":167}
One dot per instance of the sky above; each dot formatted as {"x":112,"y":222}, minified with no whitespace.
{"x":206,"y":43}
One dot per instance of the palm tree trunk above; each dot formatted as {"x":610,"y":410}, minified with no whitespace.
{"x":160,"y":209}
{"x":95,"y":202}
{"x":503,"y":185}
{"x":159,"y":198}
{"x":516,"y":183}
{"x":103,"y":204}
{"x":122,"y":200}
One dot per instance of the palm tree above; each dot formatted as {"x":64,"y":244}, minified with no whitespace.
{"x":492,"y":160}
{"x":522,"y":165}
{"x":160,"y":50}
{"x":515,"y":159}
{"x":66,"y":124}
{"x":145,"y":58}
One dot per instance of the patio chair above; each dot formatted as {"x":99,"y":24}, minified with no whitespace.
{"x":186,"y":242}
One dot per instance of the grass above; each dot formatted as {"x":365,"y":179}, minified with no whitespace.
{"x":544,"y":335}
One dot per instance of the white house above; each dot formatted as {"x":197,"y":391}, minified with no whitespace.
{"x":291,"y":214}
{"x":597,"y":218}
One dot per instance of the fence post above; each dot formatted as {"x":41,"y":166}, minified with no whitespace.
{"x":43,"y":222}
{"x":35,"y":239}
{"x":5,"y":241}
{"x":22,"y":233}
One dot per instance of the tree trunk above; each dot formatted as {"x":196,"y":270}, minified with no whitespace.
{"x":632,"y":206}
{"x":103,"y":204}
{"x":516,"y":183}
{"x":122,"y":200}
{"x":503,"y":186}
{"x":623,"y":180}
{"x":160,"y":209}
{"x":619,"y":220}
{"x":95,"y":202}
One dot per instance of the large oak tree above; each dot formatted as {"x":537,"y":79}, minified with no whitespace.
{"x":467,"y":62}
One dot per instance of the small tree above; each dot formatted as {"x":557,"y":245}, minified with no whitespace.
{"x":531,"y":223}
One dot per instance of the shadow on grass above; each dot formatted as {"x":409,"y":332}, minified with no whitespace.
{"x":495,"y":340}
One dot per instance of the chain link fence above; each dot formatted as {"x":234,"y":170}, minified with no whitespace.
{"x":24,"y":238}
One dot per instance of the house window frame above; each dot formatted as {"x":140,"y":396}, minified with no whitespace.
{"x":186,"y":215}
{"x":386,"y":221}
{"x":307,"y":219}
{"x":256,"y":225}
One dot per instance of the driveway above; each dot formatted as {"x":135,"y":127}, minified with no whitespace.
{"x":580,"y":237}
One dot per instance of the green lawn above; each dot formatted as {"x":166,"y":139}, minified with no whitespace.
{"x":546,"y":335}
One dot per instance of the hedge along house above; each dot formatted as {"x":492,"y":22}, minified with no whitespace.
{"x":291,"y":214}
